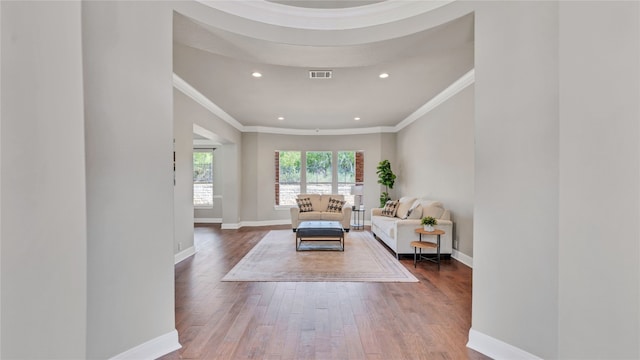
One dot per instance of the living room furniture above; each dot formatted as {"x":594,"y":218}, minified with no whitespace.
{"x":398,"y":231}
{"x":319,"y":209}
{"x":319,"y":231}
{"x":357,"y":191}
{"x":426,"y":245}
{"x":358,"y":218}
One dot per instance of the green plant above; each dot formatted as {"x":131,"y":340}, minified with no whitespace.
{"x":387,"y":178}
{"x":428,"y":220}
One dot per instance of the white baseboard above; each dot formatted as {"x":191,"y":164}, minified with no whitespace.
{"x":495,"y":348}
{"x":153,"y":348}
{"x":465,"y":259}
{"x":228,"y":226}
{"x":266,"y":222}
{"x":184,"y":254}
{"x":207,"y":220}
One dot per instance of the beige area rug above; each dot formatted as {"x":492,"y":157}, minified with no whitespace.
{"x":275,"y":258}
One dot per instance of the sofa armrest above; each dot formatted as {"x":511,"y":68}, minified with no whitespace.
{"x":376,"y":211}
{"x":347,"y":211}
{"x":295,"y":212}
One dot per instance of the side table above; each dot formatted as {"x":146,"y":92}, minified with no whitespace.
{"x":426,"y":245}
{"x":357,"y":218}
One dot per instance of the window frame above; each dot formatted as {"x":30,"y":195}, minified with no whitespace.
{"x":212,"y":201}
{"x":335,"y":184}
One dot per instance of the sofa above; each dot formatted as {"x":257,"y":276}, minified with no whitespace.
{"x":328,"y":207}
{"x":398,"y":231}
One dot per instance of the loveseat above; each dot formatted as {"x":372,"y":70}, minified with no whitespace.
{"x":328,"y":207}
{"x":398,"y":231}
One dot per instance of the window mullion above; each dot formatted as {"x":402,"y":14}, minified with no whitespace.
{"x":303,"y":172}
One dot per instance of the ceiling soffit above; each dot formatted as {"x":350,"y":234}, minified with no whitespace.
{"x":216,"y":60}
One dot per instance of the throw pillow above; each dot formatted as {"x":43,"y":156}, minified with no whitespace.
{"x":404,"y":206}
{"x":304,"y":204}
{"x":412,"y":210}
{"x":335,"y":205}
{"x":390,"y":208}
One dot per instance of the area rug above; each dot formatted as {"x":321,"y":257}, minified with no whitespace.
{"x":275,"y":258}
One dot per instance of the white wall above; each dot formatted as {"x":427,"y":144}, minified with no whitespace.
{"x":435,"y":159}
{"x":599,"y":275}
{"x":44,"y":228}
{"x":129,"y":149}
{"x":515,"y":274}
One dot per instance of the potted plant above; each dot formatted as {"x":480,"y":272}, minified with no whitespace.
{"x":428,"y":222}
{"x":387,"y":178}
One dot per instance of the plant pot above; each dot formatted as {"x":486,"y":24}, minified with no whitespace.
{"x":428,"y":228}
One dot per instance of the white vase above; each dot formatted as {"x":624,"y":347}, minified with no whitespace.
{"x":428,"y":227}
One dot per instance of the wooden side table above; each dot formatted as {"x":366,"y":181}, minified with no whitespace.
{"x":426,"y":245}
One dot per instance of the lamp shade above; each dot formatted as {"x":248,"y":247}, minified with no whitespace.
{"x":357,"y":190}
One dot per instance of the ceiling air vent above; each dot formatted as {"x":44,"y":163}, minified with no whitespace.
{"x":320,"y":74}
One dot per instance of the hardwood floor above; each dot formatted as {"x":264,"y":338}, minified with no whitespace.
{"x":315,"y":320}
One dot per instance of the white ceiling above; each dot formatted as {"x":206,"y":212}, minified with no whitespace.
{"x":219,"y":64}
{"x":326,"y":4}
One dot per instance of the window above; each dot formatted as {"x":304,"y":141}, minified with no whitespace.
{"x":316,"y":172}
{"x":203,"y":178}
{"x":346,"y":174}
{"x":288,"y":176}
{"x":319,"y":178}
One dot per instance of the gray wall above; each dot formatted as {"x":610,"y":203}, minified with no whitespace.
{"x":515,"y":274}
{"x":259,"y":173}
{"x":190,"y":112}
{"x":129,"y":150}
{"x":183,"y":189}
{"x":43,"y":236}
{"x":599,"y":273}
{"x":557,"y":138}
{"x":435,"y":159}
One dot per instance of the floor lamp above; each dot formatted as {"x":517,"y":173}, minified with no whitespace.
{"x":357,"y":191}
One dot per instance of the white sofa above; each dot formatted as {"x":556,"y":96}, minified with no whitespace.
{"x":399,"y":231}
{"x":320,"y":204}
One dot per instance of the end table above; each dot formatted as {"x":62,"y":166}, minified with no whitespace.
{"x":426,"y":245}
{"x":357,"y":218}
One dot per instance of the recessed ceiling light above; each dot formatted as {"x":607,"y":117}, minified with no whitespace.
{"x":356,"y":118}
{"x":280,"y":118}
{"x":256,"y":74}
{"x":383,"y":76}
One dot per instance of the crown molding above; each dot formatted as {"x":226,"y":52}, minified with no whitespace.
{"x":351,"y":131}
{"x":325,"y":19}
{"x":198,"y":97}
{"x":453,"y":89}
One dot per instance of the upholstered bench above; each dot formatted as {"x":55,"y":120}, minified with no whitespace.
{"x":320,"y":231}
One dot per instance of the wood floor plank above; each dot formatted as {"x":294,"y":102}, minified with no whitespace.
{"x":315,"y":320}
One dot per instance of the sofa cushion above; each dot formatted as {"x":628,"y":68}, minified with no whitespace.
{"x":435,"y":209}
{"x":304,"y":204}
{"x":335,"y":205}
{"x":331,"y":216}
{"x":390,"y":208}
{"x":404,"y":204}
{"x":310,"y":215}
{"x":415,"y":212}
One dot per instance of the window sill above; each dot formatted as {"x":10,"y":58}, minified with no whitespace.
{"x":208,"y":207}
